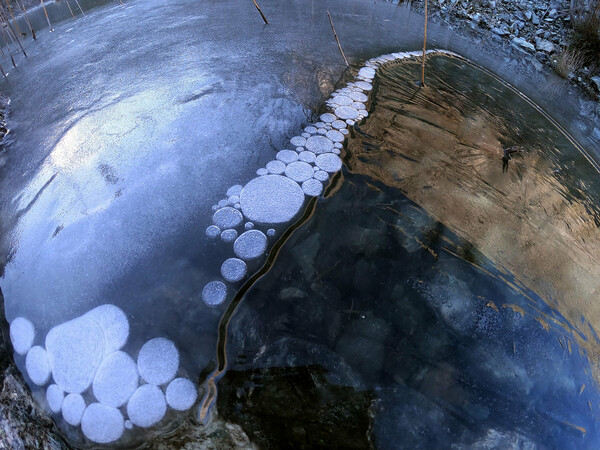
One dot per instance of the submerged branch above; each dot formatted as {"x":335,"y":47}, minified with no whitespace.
{"x":261,"y":13}
{"x":337,"y":40}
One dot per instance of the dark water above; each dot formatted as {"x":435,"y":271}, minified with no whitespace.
{"x":384,"y":324}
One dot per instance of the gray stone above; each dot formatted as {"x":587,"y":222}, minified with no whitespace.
{"x":521,"y":42}
{"x":544,"y":45}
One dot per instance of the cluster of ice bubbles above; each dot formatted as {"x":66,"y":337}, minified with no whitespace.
{"x":277,"y":194}
{"x":93,"y":383}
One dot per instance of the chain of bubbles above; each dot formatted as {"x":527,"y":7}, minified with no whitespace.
{"x":91,"y":382}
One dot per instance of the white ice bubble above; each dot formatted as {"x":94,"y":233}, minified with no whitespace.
{"x":364,"y":85}
{"x":251,"y":244}
{"x":297,"y":141}
{"x":72,"y":409}
{"x":181,"y":394}
{"x":22,"y":333}
{"x":287,"y":156}
{"x":215,"y":207}
{"x":366,"y":72}
{"x":271,"y":199}
{"x":299,"y":149}
{"x":227,"y":217}
{"x":350,"y":122}
{"x":310,"y":130}
{"x":339,"y":124}
{"x":305,"y":135}
{"x":345,"y":132}
{"x":327,"y":117}
{"x":307,"y":156}
{"x":329,"y":162}
{"x":222,"y":203}
{"x":128,"y":424}
{"x":116,"y":379}
{"x":55,"y":397}
{"x":262,"y":172}
{"x":346,"y":112}
{"x":113,"y":324}
{"x":213,"y":231}
{"x":249,"y":226}
{"x":233,"y":270}
{"x":147,"y":406}
{"x":335,"y":136}
{"x":336,"y":151}
{"x":359,"y":106}
{"x":229,"y":235}
{"x":322,"y":131}
{"x":270,"y":232}
{"x":214,"y":293}
{"x":102,"y":424}
{"x":319,"y":144}
{"x":234,"y":190}
{"x":312,"y":187}
{"x":320,"y":124}
{"x":321,"y":175}
{"x":358,"y":97}
{"x":38,"y":365}
{"x":233,"y":200}
{"x":363,"y":113}
{"x":342,"y":100}
{"x":158,"y":361}
{"x":275,"y":167}
{"x":299,"y":171}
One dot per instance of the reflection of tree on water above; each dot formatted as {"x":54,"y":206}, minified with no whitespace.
{"x":507,"y":152}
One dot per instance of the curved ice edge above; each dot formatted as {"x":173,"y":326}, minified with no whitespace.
{"x":277,"y":194}
{"x":85,"y":354}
